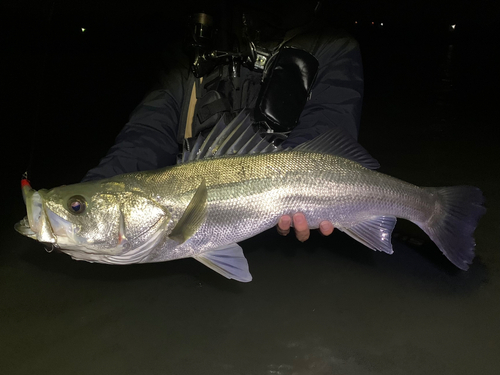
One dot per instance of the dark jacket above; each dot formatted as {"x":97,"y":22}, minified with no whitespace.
{"x":150,"y":140}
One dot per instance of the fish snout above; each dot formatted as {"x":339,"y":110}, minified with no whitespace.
{"x":24,"y":228}
{"x":35,"y":224}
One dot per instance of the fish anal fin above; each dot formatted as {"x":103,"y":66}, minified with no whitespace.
{"x":374,"y":233}
{"x":228,"y":260}
{"x":193,"y":217}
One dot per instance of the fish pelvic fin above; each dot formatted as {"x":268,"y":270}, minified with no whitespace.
{"x":193,"y":217}
{"x":374,"y":233}
{"x":228,"y":260}
{"x":451,"y":227}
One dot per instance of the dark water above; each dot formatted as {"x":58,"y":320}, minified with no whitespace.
{"x":328,"y":306}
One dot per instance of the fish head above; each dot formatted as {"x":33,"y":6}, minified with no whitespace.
{"x":94,"y":221}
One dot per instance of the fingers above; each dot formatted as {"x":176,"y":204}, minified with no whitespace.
{"x":326,"y":228}
{"x":301,"y":227}
{"x":299,"y":224}
{"x":284,"y":224}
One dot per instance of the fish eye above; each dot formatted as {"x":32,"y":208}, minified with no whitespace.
{"x":77,"y":204}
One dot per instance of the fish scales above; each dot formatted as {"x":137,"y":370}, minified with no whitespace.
{"x":247,"y":195}
{"x":202,"y":208}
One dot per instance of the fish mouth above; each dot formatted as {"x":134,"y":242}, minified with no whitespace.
{"x":24,"y":228}
{"x":43,"y":225}
{"x":35,"y":225}
{"x":53,"y":231}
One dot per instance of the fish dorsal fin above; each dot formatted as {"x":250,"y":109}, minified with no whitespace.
{"x":226,"y":134}
{"x":374,"y":233}
{"x":193,"y":216}
{"x":209,"y":140}
{"x":227,"y":260}
{"x":250,"y":145}
{"x":195,"y":150}
{"x":339,"y":142}
{"x":239,"y":136}
{"x":234,"y":130}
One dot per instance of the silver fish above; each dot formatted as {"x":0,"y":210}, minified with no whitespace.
{"x":203,"y":207}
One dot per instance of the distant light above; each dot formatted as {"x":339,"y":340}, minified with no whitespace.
{"x":83,"y":29}
{"x":373,"y":23}
{"x":381,"y":24}
{"x":355,"y":22}
{"x":453,"y":26}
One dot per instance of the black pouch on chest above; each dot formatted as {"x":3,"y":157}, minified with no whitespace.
{"x":286,"y":88}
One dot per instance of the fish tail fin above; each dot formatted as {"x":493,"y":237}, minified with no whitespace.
{"x":451,"y":227}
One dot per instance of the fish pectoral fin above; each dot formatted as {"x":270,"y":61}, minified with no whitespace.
{"x":193,"y":217}
{"x":375,"y":233}
{"x":228,"y":260}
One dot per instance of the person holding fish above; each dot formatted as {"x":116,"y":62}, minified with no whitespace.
{"x":266,"y":123}
{"x":295,"y":76}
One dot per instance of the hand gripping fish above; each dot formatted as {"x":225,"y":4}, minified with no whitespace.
{"x":229,"y":189}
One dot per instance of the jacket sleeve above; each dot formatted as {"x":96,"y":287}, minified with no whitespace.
{"x":148,"y":140}
{"x":337,"y":93}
